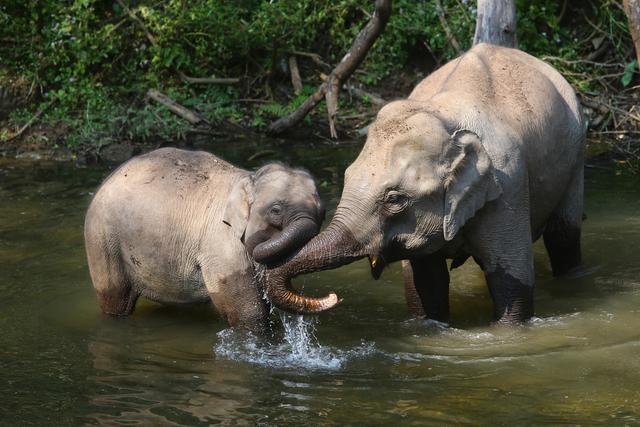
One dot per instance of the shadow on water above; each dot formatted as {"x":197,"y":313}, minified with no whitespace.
{"x":63,"y":363}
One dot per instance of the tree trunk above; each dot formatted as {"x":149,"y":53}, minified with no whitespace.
{"x":496,"y":23}
{"x":632,"y":9}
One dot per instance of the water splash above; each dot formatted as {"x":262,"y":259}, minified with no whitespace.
{"x":299,"y":347}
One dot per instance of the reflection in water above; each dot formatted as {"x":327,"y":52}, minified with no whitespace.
{"x":63,"y":363}
{"x":146,"y":382}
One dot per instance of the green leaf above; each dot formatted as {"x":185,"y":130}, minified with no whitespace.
{"x":629,"y":69}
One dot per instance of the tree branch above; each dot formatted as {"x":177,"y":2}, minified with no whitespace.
{"x":372,"y":97}
{"x":138,"y":21}
{"x":31,"y":121}
{"x":296,"y":80}
{"x":330,"y":89}
{"x":208,"y":80}
{"x":447,"y":31}
{"x":154,"y":42}
{"x":177,"y":109}
{"x":314,"y":57}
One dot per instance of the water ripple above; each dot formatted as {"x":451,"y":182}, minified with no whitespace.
{"x":298,"y":349}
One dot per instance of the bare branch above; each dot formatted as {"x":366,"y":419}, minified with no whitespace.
{"x":582,"y":61}
{"x":313,"y":56}
{"x":372,"y":97}
{"x":208,"y":80}
{"x":138,"y":21}
{"x":31,"y":121}
{"x":152,"y":39}
{"x":296,"y":80}
{"x":177,"y":109}
{"x":330,"y":89}
{"x":445,"y":26}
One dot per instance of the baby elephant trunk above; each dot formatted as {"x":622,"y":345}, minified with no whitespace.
{"x":294,"y":236}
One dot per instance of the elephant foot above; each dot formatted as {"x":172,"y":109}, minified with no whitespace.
{"x":117,"y":303}
{"x":512,"y":299}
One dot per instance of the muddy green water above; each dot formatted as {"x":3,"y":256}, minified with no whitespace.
{"x":63,"y":363}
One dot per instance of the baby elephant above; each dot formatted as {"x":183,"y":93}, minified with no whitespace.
{"x":179,"y":226}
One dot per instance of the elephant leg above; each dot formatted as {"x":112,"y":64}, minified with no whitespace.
{"x":119,"y":300}
{"x":237,"y":299}
{"x":512,"y":296}
{"x":501,"y":242}
{"x":115,"y":291}
{"x":562,"y":231}
{"x":509,"y":275}
{"x":426,"y":286}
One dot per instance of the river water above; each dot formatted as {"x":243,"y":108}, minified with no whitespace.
{"x":63,"y":363}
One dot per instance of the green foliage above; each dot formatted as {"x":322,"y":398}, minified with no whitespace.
{"x":629,"y":69}
{"x":96,"y":62}
{"x":274,"y":110}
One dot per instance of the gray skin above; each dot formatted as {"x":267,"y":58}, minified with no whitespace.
{"x":484,"y":157}
{"x":183,"y":227}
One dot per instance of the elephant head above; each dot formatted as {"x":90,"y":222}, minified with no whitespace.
{"x":274,"y":211}
{"x":412,"y":188}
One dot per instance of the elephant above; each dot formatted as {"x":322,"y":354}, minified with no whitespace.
{"x":179,"y":227}
{"x":484,"y":157}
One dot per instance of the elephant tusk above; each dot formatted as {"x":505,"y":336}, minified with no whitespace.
{"x":373,"y":260}
{"x":377,"y":264}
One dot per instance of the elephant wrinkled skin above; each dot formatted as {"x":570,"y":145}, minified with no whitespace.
{"x":483,"y":157}
{"x":180,"y":226}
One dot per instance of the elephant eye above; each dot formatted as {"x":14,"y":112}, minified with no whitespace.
{"x":275,"y":210}
{"x":395,"y":202}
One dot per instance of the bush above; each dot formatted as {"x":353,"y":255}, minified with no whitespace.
{"x":92,"y":58}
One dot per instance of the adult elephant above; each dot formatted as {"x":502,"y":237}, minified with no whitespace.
{"x":484,"y":157}
{"x":181,"y":226}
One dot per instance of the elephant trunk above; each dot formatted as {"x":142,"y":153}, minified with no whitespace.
{"x":292,"y":237}
{"x":329,"y":249}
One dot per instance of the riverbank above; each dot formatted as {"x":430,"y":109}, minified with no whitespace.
{"x":613,"y":136}
{"x":69,"y":90}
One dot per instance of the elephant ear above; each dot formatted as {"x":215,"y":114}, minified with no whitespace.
{"x":470,"y":181}
{"x":236,"y":211}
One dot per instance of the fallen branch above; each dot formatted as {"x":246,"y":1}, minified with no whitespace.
{"x":31,"y":121}
{"x":208,"y":80}
{"x":581,"y":61}
{"x":177,"y":109}
{"x":330,"y":89}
